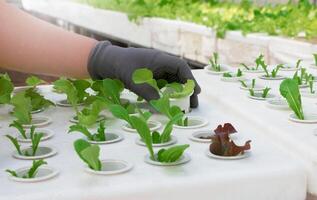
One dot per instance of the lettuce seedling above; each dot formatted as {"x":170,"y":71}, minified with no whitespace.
{"x":99,"y":136}
{"x":222,"y":145}
{"x":6,"y":89}
{"x":88,"y":153}
{"x":109,"y":89}
{"x":258,"y":62}
{"x":34,"y":81}
{"x":315,"y":58}
{"x":35,"y":138}
{"x":75,"y":90}
{"x":229,"y":74}
{"x":120,"y":112}
{"x":20,"y":128}
{"x":163,"y":155}
{"x":311,"y":84}
{"x":302,"y":78}
{"x":213,"y":62}
{"x":165,"y":136}
{"x":290,"y":91}
{"x":31,"y":173}
{"x":173,"y":90}
{"x":163,"y":106}
{"x":22,"y":108}
{"x":264,"y":93}
{"x":89,"y":115}
{"x":37,"y":101}
{"x":264,"y":66}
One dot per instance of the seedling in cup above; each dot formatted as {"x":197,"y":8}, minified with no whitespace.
{"x":25,"y":135}
{"x":223,"y":147}
{"x":303,"y":78}
{"x":164,"y":157}
{"x":214,"y":67}
{"x":90,"y":155}
{"x":100,"y":137}
{"x":290,"y":91}
{"x":260,"y":95}
{"x":6,"y":89}
{"x":34,"y":151}
{"x":164,"y":138}
{"x":75,"y":90}
{"x":231,"y":77}
{"x":37,"y":172}
{"x":255,"y":69}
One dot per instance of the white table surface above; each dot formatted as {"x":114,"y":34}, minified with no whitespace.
{"x":296,"y":138}
{"x":269,"y":174}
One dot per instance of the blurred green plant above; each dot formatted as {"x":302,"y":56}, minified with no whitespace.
{"x":290,"y":19}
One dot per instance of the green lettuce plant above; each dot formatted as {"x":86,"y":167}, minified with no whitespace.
{"x":35,"y":139}
{"x":169,"y":155}
{"x":315,"y":58}
{"x":120,"y":112}
{"x":290,"y":91}
{"x":230,"y":75}
{"x":163,"y":106}
{"x":90,"y":114}
{"x":88,"y":153}
{"x":75,"y":90}
{"x":6,"y":89}
{"x":213,"y":62}
{"x":173,"y":90}
{"x":99,"y":136}
{"x":264,"y":93}
{"x":32,"y":171}
{"x":22,"y":107}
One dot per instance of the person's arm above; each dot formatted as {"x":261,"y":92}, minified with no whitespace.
{"x":28,"y":44}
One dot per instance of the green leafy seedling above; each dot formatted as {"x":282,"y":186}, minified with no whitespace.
{"x":89,"y":115}
{"x":32,"y":172}
{"x":35,"y":139}
{"x":245,"y":66}
{"x":120,"y":112}
{"x":145,"y":76}
{"x":265,"y":92}
{"x":37,"y":101}
{"x":22,"y":108}
{"x":164,"y":155}
{"x":227,"y":75}
{"x":173,"y":90}
{"x":243,"y":83}
{"x":75,"y":90}
{"x":239,"y":73}
{"x":259,"y":61}
{"x":88,"y":153}
{"x":315,"y":58}
{"x":165,"y":136}
{"x":290,"y":91}
{"x":20,"y":128}
{"x":110,"y":89}
{"x":213,"y":62}
{"x":163,"y":106}
{"x":6,"y":89}
{"x":276,"y":70}
{"x":34,"y":81}
{"x":99,"y":136}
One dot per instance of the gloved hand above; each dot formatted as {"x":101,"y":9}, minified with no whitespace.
{"x":108,"y":61}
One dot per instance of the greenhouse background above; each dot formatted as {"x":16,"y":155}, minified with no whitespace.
{"x":233,"y":116}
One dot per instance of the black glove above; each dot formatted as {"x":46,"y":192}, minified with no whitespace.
{"x":108,"y":61}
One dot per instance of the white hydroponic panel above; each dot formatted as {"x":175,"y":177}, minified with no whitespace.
{"x":269,"y":172}
{"x":299,"y":139}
